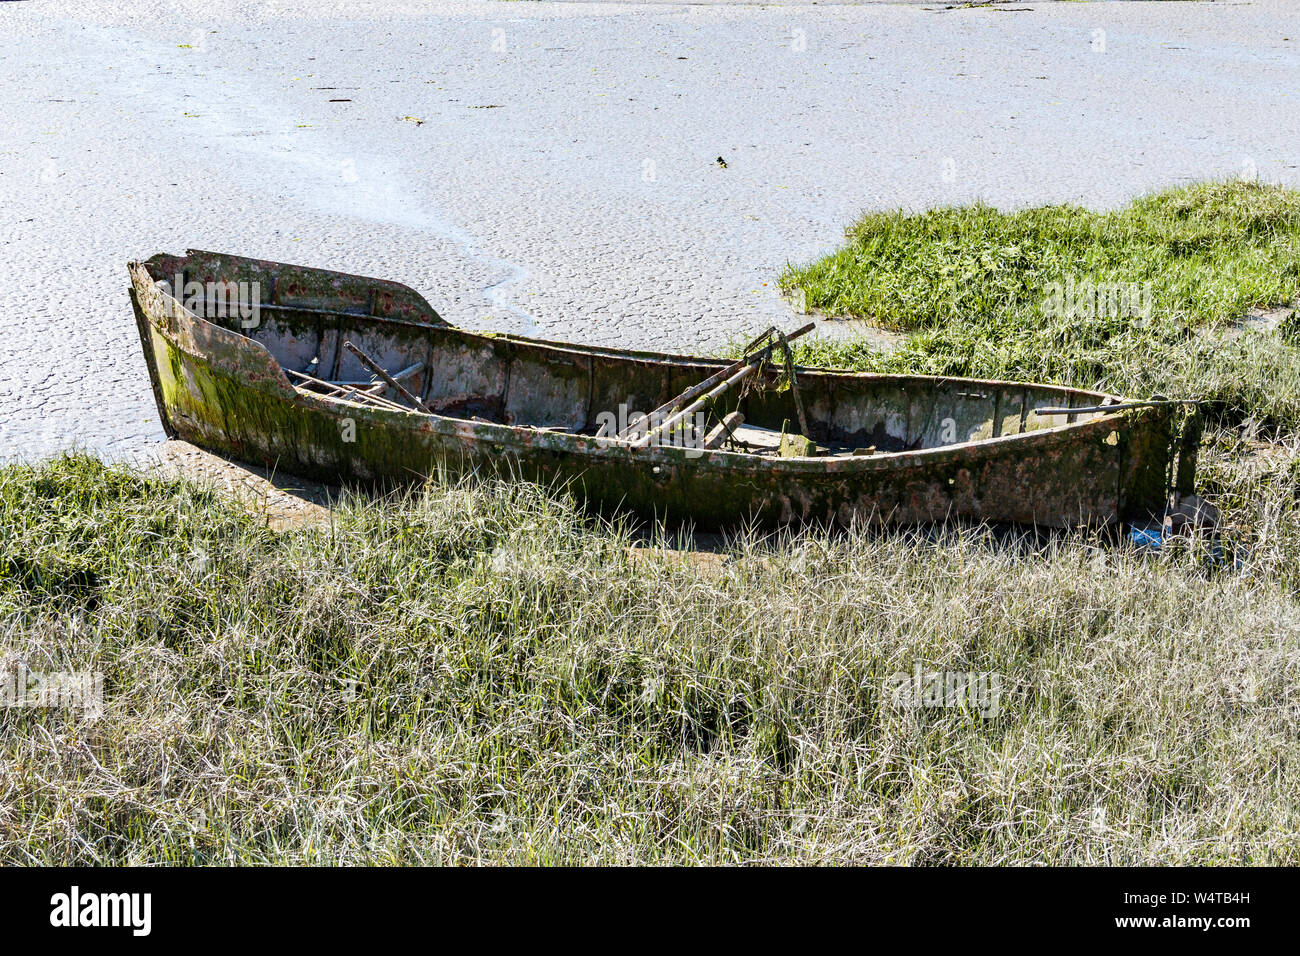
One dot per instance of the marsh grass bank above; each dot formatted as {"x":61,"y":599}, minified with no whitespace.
{"x":1146,"y":298}
{"x":481,"y":673}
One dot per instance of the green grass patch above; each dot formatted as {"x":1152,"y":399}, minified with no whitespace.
{"x":478,"y":672}
{"x":986,"y":294}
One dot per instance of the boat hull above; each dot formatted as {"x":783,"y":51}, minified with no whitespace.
{"x":215,"y":391}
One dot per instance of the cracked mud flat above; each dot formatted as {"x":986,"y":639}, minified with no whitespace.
{"x":587,"y":204}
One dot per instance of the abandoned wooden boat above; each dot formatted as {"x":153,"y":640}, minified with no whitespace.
{"x":349,"y":379}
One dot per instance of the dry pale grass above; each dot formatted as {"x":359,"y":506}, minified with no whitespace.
{"x":481,"y":674}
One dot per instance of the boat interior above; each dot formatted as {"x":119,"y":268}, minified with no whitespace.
{"x":357,"y":340}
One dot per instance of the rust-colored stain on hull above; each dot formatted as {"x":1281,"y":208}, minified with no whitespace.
{"x":527,"y":409}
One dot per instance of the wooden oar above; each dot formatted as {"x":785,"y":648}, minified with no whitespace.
{"x":401,"y":376}
{"x":348,"y":391}
{"x":699,"y":389}
{"x":673,"y":420}
{"x":371,"y":364}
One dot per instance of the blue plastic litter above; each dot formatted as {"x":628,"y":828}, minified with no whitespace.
{"x":1146,"y":537}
